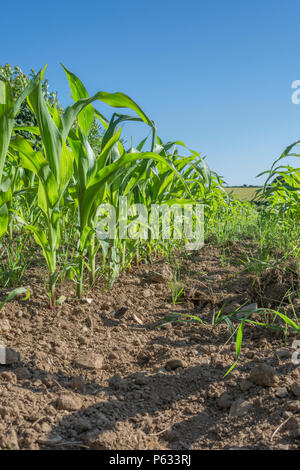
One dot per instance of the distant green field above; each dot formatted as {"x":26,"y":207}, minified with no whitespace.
{"x":245,"y":194}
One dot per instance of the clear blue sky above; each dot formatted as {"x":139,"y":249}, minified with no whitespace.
{"x":215,"y":74}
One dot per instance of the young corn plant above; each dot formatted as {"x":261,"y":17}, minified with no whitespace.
{"x":8,"y":111}
{"x":15,"y":261}
{"x":288,"y":322}
{"x":175,"y":285}
{"x":282,"y":194}
{"x":99,"y":179}
{"x":87,"y":165}
{"x":14,"y":293}
{"x":240,"y":317}
{"x":54,"y":168}
{"x":66,"y":169}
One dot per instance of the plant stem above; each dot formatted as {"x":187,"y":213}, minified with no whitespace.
{"x":92,"y":260}
{"x":79,"y":289}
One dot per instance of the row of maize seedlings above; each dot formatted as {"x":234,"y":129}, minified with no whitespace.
{"x":66,"y":181}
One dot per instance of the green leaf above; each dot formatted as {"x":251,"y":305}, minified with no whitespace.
{"x":3,"y":219}
{"x":35,"y":162}
{"x":8,"y":111}
{"x":78,"y":90}
{"x":5,"y":191}
{"x":32,"y":129}
{"x":239,"y":338}
{"x":66,"y":167}
{"x":42,"y":240}
{"x":83,"y":237}
{"x":231,"y":368}
{"x":51,"y":137}
{"x":117,"y":100}
{"x":13,"y":294}
{"x":6,"y":121}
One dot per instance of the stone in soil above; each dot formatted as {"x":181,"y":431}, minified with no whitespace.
{"x":240,"y":407}
{"x":141,"y":380}
{"x":68,"y":403}
{"x":224,"y":401}
{"x":295,"y":388}
{"x":281,"y":392}
{"x":173,"y":364}
{"x":283,"y":354}
{"x":245,"y":385}
{"x":89,"y":361}
{"x":147,"y":293}
{"x":264,"y":375}
{"x":4,"y":326}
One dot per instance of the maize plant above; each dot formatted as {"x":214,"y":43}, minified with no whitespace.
{"x":67,"y":156}
{"x":64,"y":183}
{"x":8,"y":111}
{"x":98,"y":178}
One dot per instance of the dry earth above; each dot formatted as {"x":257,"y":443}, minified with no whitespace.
{"x":80,"y":377}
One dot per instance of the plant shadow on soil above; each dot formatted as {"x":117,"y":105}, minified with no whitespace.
{"x":120,"y":413}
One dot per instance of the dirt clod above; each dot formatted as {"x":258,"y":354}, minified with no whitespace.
{"x":22,"y":373}
{"x":224,"y":401}
{"x":264,"y":375}
{"x":68,"y":403}
{"x":240,"y":407}
{"x":89,"y":361}
{"x":173,"y":364}
{"x":9,"y":440}
{"x":295,"y":388}
{"x":77,"y":383}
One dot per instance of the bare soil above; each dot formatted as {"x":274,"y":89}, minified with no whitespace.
{"x":86,"y":378}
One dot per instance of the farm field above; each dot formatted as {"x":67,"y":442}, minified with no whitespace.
{"x":87,"y":380}
{"x":245,"y":194}
{"x":139,"y":341}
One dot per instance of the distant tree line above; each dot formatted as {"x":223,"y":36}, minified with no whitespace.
{"x":244,"y":186}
